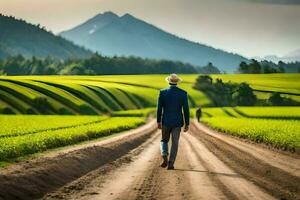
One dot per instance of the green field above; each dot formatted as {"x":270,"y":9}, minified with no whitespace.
{"x":15,"y":125}
{"x":265,"y":84}
{"x":109,"y":104}
{"x":279,"y":126}
{"x":97,"y":95}
{"x":23,"y":134}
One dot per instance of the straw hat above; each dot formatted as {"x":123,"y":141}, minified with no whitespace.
{"x":173,"y":79}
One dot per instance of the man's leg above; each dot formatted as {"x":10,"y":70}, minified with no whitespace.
{"x":164,"y":145}
{"x":175,"y":140}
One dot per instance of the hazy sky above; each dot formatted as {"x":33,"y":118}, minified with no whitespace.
{"x":248,"y":27}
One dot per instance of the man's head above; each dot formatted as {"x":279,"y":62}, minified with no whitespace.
{"x":173,"y":79}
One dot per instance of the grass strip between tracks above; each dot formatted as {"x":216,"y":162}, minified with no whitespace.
{"x":13,"y":147}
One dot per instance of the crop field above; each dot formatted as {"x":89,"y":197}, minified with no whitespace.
{"x":23,"y":135}
{"x":278,"y":126}
{"x":103,"y":100}
{"x":97,"y":95}
{"x":265,"y":84}
{"x":15,"y":125}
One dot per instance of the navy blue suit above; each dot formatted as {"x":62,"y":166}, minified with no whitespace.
{"x":170,"y":103}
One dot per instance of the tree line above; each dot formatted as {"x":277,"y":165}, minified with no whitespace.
{"x":237,"y":94}
{"x":268,"y":67}
{"x":97,"y":65}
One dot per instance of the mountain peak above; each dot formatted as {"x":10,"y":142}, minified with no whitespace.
{"x":106,"y":15}
{"x":109,"y":14}
{"x":127,"y":35}
{"x":94,"y":23}
{"x":127,"y":15}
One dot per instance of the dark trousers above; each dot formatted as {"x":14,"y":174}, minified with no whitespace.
{"x":166,"y":133}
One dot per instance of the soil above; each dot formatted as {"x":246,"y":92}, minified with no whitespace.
{"x":209,"y":165}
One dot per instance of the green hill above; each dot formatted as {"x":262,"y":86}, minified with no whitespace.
{"x":20,"y":37}
{"x":97,"y":95}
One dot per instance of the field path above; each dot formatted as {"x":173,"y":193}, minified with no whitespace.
{"x":209,"y":166}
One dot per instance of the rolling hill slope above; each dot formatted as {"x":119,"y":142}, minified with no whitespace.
{"x":20,"y":37}
{"x":111,"y":35}
{"x":97,"y":95}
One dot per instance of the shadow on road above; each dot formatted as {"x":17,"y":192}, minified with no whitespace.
{"x":210,"y":173}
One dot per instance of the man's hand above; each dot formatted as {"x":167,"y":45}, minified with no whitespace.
{"x":186,"y":128}
{"x":159,"y":125}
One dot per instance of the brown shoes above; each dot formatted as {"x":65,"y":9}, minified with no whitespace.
{"x":164,"y":162}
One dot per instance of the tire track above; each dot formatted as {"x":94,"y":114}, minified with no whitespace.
{"x":228,"y":181}
{"x":207,"y":167}
{"x":275,"y":181}
{"x":275,"y":158}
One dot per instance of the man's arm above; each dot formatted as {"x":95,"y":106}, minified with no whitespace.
{"x":186,"y":112}
{"x":159,"y":110}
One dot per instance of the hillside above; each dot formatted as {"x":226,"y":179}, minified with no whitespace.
{"x":20,"y":37}
{"x":112,"y":35}
{"x":106,"y":94}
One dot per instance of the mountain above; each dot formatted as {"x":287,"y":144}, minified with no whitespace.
{"x":293,"y":56}
{"x":272,"y":58}
{"x":20,"y":37}
{"x":112,"y":35}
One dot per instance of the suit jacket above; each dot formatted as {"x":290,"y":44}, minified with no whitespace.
{"x":170,"y":103}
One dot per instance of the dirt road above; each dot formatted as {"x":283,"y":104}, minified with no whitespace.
{"x":209,"y":166}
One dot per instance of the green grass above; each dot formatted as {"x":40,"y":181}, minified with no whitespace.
{"x":95,"y":95}
{"x":280,"y":133}
{"x":22,"y":145}
{"x":271,"y":82}
{"x":270,"y":112}
{"x":70,"y":102}
{"x":15,"y":125}
{"x":278,"y":126}
{"x":266,"y":83}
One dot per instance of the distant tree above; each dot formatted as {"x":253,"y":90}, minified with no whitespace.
{"x":281,"y":66}
{"x":243,"y":67}
{"x":276,"y":100}
{"x":281,"y":63}
{"x":244,"y":96}
{"x":225,"y":94}
{"x":254,"y":67}
{"x":209,"y":69}
{"x":203,"y":82}
{"x":267,"y":69}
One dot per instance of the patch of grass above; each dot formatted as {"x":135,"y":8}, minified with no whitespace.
{"x":15,"y":125}
{"x":278,"y":126}
{"x":13,"y":147}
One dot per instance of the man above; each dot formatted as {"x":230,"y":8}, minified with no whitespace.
{"x":199,"y":113}
{"x":171,"y":101}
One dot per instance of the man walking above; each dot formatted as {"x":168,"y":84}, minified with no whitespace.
{"x":199,"y":113}
{"x":170,"y":119}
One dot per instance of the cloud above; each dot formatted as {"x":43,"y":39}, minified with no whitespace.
{"x":283,"y":2}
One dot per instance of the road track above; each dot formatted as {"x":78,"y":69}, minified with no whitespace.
{"x":209,"y":165}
